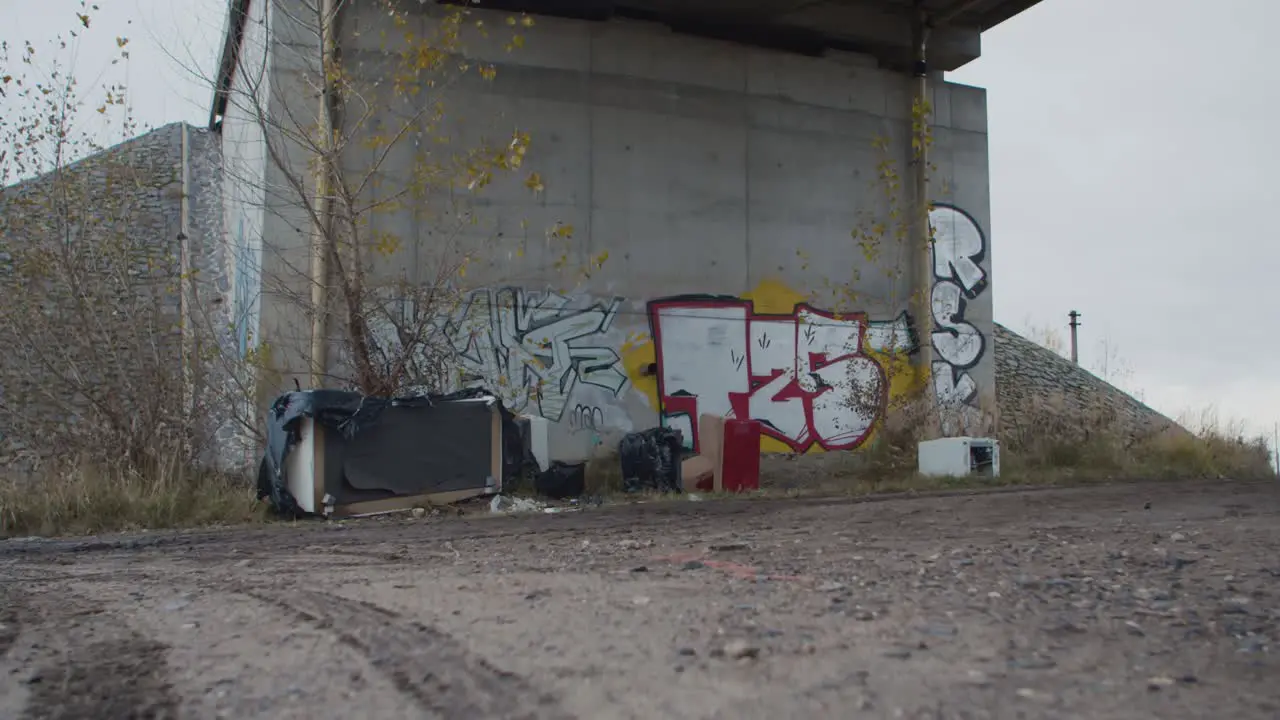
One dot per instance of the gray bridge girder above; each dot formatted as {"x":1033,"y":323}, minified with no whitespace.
{"x":879,"y":28}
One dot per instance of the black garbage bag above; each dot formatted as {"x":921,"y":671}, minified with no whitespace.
{"x":562,"y":481}
{"x":651,"y":461}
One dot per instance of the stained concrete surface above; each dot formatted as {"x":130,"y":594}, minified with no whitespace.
{"x":1135,"y":601}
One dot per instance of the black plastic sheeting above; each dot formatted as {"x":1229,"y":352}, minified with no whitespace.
{"x":562,"y":481}
{"x":651,"y":460}
{"x":350,"y":413}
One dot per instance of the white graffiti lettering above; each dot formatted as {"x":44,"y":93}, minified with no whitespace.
{"x":534,"y":347}
{"x":805,"y":377}
{"x":958,"y":250}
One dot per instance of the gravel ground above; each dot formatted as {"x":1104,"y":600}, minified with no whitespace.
{"x":1134,"y":601}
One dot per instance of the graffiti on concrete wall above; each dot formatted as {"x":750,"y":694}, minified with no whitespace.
{"x":586,"y":417}
{"x":805,"y":376}
{"x":533,"y":348}
{"x":958,"y":345}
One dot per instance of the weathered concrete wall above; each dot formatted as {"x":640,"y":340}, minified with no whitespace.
{"x":216,"y":320}
{"x":723,"y":182}
{"x":1035,"y":385}
{"x":245,"y":192}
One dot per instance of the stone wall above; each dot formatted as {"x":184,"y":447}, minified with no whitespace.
{"x":1036,"y":386}
{"x":211,"y":318}
{"x":152,"y":203}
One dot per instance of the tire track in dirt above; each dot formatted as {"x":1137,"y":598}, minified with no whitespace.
{"x":10,"y":604}
{"x":119,"y":678}
{"x":84,"y":663}
{"x":430,"y":666}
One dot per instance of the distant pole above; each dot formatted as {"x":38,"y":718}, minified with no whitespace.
{"x":1275,"y":444}
{"x":1075,"y":323}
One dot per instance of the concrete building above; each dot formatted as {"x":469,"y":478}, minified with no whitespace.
{"x":724,"y":158}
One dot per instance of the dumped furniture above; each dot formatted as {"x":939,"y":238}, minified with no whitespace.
{"x":728,"y":458}
{"x":333,"y":452}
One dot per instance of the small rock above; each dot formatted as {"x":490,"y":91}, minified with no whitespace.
{"x":419,"y":513}
{"x":1033,"y":663}
{"x":864,"y":616}
{"x":1031,"y":694}
{"x":1134,"y":628}
{"x":1159,"y":682}
{"x":729,"y":547}
{"x":640,"y":569}
{"x":629,"y":544}
{"x":1177,"y":537}
{"x":938,"y":630}
{"x":830,"y":586}
{"x":1147,"y":506}
{"x":979,"y":678}
{"x":993,"y":594}
{"x":640,"y":600}
{"x":687,"y":652}
{"x":693,"y":565}
{"x":898,"y":654}
{"x":741,"y":650}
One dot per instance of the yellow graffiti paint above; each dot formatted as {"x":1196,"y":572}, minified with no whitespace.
{"x":770,"y":297}
{"x":638,"y":355}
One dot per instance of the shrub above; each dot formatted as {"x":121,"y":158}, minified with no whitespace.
{"x":79,"y":496}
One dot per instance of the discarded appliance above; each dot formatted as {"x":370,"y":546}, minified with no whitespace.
{"x":651,"y":460}
{"x":711,"y":447}
{"x":698,"y":471}
{"x":959,"y":457}
{"x":728,"y":457}
{"x":332,"y":452}
{"x":739,"y":456}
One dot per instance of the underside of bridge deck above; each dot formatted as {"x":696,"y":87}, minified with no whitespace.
{"x":879,"y":28}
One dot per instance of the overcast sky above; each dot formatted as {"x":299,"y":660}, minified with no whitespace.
{"x":1133,"y":152}
{"x":1133,"y":159}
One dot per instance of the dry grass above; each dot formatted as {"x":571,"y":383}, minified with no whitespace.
{"x":1098,"y":442}
{"x":1045,"y":444}
{"x":80,"y":498}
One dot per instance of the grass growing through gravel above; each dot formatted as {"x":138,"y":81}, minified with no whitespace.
{"x":82,"y":499}
{"x":1051,"y":446}
{"x":1052,"y":449}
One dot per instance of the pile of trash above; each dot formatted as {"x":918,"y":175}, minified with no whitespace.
{"x":369,"y":455}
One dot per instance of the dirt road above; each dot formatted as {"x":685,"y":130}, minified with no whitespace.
{"x":1117,"y":602}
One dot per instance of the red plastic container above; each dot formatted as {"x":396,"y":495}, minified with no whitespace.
{"x":741,"y":455}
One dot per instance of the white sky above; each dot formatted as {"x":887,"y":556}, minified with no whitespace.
{"x":1131,"y":147}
